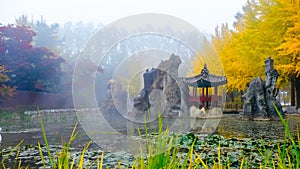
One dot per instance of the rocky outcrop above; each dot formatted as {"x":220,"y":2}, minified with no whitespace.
{"x":260,"y":98}
{"x":162,"y":89}
{"x":113,"y":107}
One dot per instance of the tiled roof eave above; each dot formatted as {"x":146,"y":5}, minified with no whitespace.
{"x":200,"y":81}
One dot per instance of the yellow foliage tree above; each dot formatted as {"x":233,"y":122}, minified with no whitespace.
{"x":266,"y":28}
{"x":289,"y":50}
{"x":209,"y":56}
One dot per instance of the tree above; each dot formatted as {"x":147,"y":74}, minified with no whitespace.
{"x":75,"y":36}
{"x":266,"y":28}
{"x":24,"y":21}
{"x":5,"y":90}
{"x":47,"y":36}
{"x":221,"y":40}
{"x":289,"y":50}
{"x":29,"y":68}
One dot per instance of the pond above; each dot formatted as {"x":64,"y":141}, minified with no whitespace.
{"x":58,"y":126}
{"x":19,"y":126}
{"x":232,"y":126}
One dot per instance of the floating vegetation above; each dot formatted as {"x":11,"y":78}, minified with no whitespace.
{"x":165,"y":150}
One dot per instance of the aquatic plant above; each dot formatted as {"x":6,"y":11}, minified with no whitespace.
{"x":163,"y":149}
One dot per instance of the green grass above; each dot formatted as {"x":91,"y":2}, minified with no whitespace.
{"x":63,"y":160}
{"x":291,"y":153}
{"x":6,"y":156}
{"x":161,"y":151}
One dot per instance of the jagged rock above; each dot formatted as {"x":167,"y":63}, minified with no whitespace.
{"x":163,"y":92}
{"x":164,"y":78}
{"x":260,"y":97}
{"x":114,"y":107}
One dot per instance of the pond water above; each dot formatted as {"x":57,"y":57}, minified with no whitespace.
{"x":17,"y":127}
{"x":232,"y":126}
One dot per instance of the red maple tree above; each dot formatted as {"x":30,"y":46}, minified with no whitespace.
{"x":29,"y":68}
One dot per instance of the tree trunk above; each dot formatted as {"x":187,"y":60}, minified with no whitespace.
{"x":241,"y":98}
{"x":232,"y":96}
{"x":293,"y":91}
{"x":297,"y":86}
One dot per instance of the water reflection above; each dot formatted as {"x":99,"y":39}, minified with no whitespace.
{"x":15,"y":128}
{"x":232,"y":126}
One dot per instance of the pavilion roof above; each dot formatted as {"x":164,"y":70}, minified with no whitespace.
{"x":205,"y":79}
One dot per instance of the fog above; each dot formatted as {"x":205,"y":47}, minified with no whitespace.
{"x":85,"y":56}
{"x":205,"y":15}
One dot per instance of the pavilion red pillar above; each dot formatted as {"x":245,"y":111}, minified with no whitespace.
{"x":203,"y":96}
{"x":206,"y":97}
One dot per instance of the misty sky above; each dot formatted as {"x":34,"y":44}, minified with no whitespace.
{"x":204,"y":14}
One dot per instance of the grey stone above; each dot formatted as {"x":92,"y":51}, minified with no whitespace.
{"x":165,"y":79}
{"x":290,"y":109}
{"x":260,"y":97}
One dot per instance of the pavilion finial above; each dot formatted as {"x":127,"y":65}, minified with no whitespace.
{"x":204,"y":71}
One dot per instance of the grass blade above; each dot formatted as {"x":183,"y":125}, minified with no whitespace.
{"x":41,"y":155}
{"x":190,"y":152}
{"x":9,"y":154}
{"x":80,"y":166}
{"x":100,"y":165}
{"x":45,"y":139}
{"x":297,"y":160}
